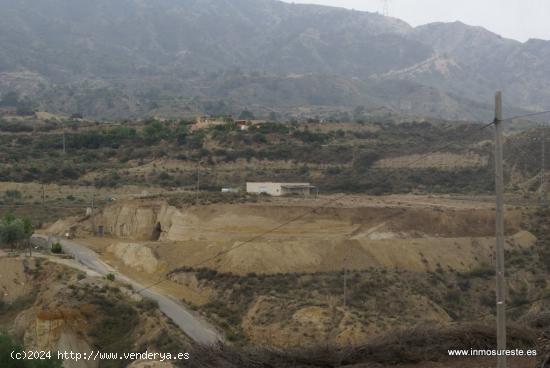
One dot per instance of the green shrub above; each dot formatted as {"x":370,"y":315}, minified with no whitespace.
{"x":57,"y":248}
{"x":483,"y":272}
{"x":147,"y":304}
{"x":7,"y":346}
{"x":453,"y":297}
{"x":115,"y":328}
{"x":110,"y":277}
{"x":13,"y":194}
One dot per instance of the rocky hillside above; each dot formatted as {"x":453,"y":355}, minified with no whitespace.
{"x":133,"y":58}
{"x":474,"y":62}
{"x":46,"y":306}
{"x":411,"y":261}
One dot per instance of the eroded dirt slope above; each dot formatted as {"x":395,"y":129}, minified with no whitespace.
{"x":419,"y":235}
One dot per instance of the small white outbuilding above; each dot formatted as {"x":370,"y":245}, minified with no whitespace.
{"x":280,"y":189}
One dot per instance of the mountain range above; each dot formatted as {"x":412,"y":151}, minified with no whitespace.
{"x":137,"y":58}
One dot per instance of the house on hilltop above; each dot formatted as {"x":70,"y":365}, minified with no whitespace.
{"x":203,"y":122}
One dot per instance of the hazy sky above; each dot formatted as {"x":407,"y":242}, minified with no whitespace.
{"x":517,"y":19}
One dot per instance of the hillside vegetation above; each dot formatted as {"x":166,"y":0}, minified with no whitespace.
{"x":335,"y":157}
{"x":131,"y":59}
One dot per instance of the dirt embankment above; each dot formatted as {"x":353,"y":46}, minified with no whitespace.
{"x":52,"y":307}
{"x":30,"y":313}
{"x":240,"y":238}
{"x":265,"y":294}
{"x":14,"y":282}
{"x":135,"y":255}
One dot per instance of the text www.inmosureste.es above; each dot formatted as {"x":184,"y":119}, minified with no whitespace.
{"x":492,"y":352}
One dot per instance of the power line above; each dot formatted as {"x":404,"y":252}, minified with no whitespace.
{"x":254,"y":238}
{"x":527,"y":140}
{"x":508,"y":308}
{"x":543,"y":201}
{"x":257,"y":237}
{"x":527,"y":115}
{"x":501,"y":304}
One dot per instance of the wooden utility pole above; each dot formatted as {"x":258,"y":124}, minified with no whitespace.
{"x":542,"y":186}
{"x":499,"y":188}
{"x":345,"y":281}
{"x":92,"y":215}
{"x":198,"y":181}
{"x":64,"y":150}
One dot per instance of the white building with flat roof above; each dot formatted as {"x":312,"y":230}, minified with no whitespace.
{"x":280,"y":189}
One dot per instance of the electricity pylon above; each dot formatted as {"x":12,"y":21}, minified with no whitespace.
{"x":386,"y":8}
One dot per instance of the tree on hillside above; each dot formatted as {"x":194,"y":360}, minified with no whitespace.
{"x":13,"y":230}
{"x":181,"y":133}
{"x":12,"y":195}
{"x":28,"y":227}
{"x":154,"y":131}
{"x":365,"y":160}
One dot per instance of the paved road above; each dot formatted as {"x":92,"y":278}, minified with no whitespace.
{"x":195,"y":327}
